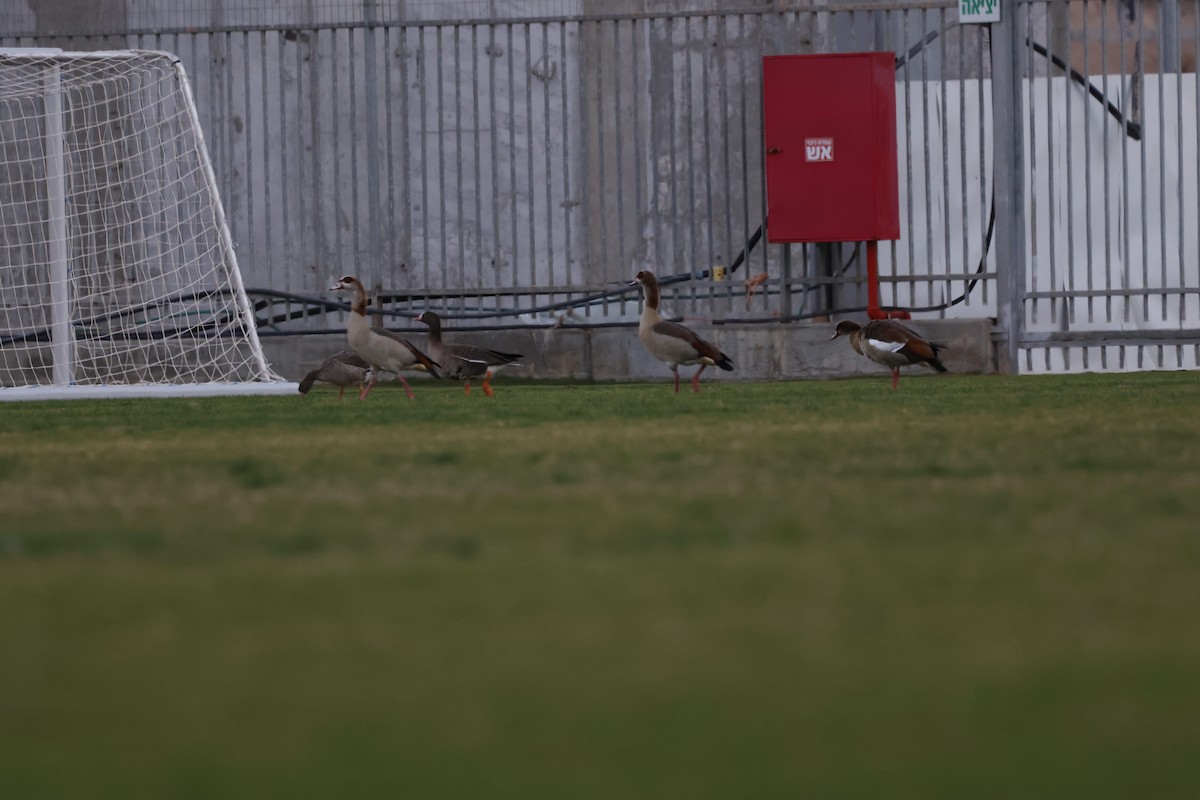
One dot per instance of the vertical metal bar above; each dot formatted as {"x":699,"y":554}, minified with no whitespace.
{"x":1164,"y":36}
{"x":1070,"y":144}
{"x":512,"y":157}
{"x":284,"y":278}
{"x":566,"y":156}
{"x":478,"y":125}
{"x":250,"y":162}
{"x":671,"y":105}
{"x":62,"y":334}
{"x":1124,"y":184}
{"x":639,"y":154}
{"x":745,"y":141}
{"x":285,"y":216}
{"x":1183,"y":227}
{"x":708,"y":128}
{"x":230,"y":157}
{"x":494,"y":129}
{"x":1008,"y":137}
{"x":1106,"y":162}
{"x":1052,"y":195}
{"x":927,"y":177}
{"x":530,"y":210}
{"x":1139,"y":82}
{"x":642,"y":203}
{"x":552,"y":278}
{"x":314,"y":112}
{"x":761,"y":166}
{"x":1087,"y":178}
{"x":335,"y":124}
{"x":947,"y":253}
{"x":421,"y":148}
{"x":459,"y":181}
{"x":723,"y":103}
{"x":987,"y":202}
{"x":373,"y":166}
{"x":389,"y":158}
{"x":1030,"y":105}
{"x":693,"y":247}
{"x":440,"y":143}
{"x":902,"y":25}
{"x":406,"y":148}
{"x":962,"y":165}
{"x":596,"y":132}
{"x":618,"y":112}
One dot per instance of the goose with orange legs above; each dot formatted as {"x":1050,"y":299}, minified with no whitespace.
{"x":383,"y":350}
{"x":672,"y":343}
{"x":892,"y":344}
{"x":466,"y":362}
{"x":341,"y":369}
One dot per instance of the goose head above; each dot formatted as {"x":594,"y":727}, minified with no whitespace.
{"x":845,"y":328}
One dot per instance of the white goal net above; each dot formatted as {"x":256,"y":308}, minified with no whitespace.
{"x":116,"y":265}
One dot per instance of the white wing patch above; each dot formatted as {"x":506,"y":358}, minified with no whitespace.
{"x":889,"y":347}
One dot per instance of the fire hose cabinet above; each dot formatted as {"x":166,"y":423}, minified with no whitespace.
{"x":829,"y":131}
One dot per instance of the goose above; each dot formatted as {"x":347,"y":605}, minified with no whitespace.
{"x":341,"y":369}
{"x":890,"y":343}
{"x":672,"y":343}
{"x":465,"y":361}
{"x":383,"y":350}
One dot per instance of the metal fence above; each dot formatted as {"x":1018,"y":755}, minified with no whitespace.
{"x":517,"y":170}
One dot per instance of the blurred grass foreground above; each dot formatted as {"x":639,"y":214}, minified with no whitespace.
{"x":975,"y":586}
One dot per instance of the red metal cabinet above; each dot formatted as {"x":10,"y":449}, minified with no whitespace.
{"x":829,"y":125}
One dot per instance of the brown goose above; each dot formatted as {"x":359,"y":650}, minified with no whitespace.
{"x":341,"y":369}
{"x":672,"y":343}
{"x":890,"y":343}
{"x":383,"y":350}
{"x":465,"y":362}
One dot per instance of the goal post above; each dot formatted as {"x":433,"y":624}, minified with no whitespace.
{"x":118,"y":275}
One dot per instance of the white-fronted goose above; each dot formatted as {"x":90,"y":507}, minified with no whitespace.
{"x":383,"y":350}
{"x":342,"y":369}
{"x":672,"y":343}
{"x":466,"y":362}
{"x":890,"y":343}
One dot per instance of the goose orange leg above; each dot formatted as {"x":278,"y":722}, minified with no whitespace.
{"x":487,"y":387}
{"x":367,"y":389}
{"x":407,"y":389}
{"x":675,"y":372}
{"x":696,"y":379}
{"x":895,"y":377}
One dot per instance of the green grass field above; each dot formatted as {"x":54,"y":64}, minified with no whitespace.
{"x":974,"y":587}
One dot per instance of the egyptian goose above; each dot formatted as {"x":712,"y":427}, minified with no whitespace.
{"x":341,"y":369}
{"x":890,"y":343}
{"x":672,"y":343}
{"x":465,"y":361}
{"x":383,"y":350}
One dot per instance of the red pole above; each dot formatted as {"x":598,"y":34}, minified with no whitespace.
{"x":873,"y":310}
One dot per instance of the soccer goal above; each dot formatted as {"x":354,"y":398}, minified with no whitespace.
{"x":117,"y":270}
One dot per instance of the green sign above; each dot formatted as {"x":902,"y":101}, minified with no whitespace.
{"x":978,"y":10}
